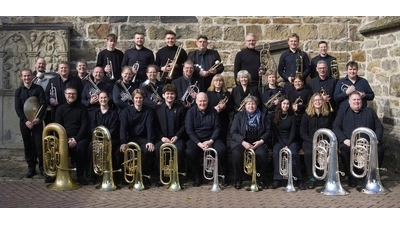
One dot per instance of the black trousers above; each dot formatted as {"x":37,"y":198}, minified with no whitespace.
{"x":79,"y":154}
{"x":147,"y":156}
{"x":261,"y":161}
{"x":32,"y":139}
{"x":180,"y":145}
{"x":296,"y":169}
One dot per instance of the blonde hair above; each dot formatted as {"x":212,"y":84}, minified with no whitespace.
{"x":310,"y":110}
{"x":212,"y":86}
{"x":243,"y":73}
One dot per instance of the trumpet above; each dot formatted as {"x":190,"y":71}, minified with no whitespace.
{"x":155,"y":97}
{"x":133,"y":166}
{"x":192,"y":88}
{"x":169,"y":166}
{"x":344,"y":88}
{"x":323,"y":92}
{"x":242,"y":103}
{"x":285,"y":168}
{"x":216,"y":64}
{"x":125,"y":95}
{"x":334,"y":69}
{"x":249,"y":165}
{"x":94,"y":90}
{"x":110,"y":74}
{"x":170,"y":73}
{"x":274,"y":97}
{"x":53,"y":92}
{"x":210,"y":163}
{"x":223,"y":101}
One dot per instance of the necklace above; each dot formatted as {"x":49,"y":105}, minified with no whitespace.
{"x":284,"y":117}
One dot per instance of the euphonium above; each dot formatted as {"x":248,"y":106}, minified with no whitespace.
{"x":186,"y":96}
{"x":125,"y":95}
{"x":169,"y":166}
{"x":285,"y":168}
{"x":325,"y":159}
{"x":155,"y":97}
{"x":210,"y":164}
{"x":102,"y":158}
{"x":323,"y":93}
{"x":133,"y":166}
{"x":249,"y":165}
{"x":272,"y":99}
{"x":170,"y":73}
{"x":110,"y":74}
{"x":334,"y":69}
{"x":364,"y":156}
{"x":56,"y":157}
{"x":242,"y":103}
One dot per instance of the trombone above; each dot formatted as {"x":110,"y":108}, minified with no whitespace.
{"x":170,"y":73}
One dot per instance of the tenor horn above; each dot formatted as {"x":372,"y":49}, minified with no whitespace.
{"x":210,"y":163}
{"x":325,"y":159}
{"x":249,"y":165}
{"x":285,"y":168}
{"x":364,"y":156}
{"x":56,"y":157}
{"x":133,"y":166}
{"x":169,"y":166}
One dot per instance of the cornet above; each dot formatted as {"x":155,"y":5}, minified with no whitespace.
{"x":210,"y":164}
{"x":344,"y":88}
{"x":272,"y":99}
{"x":155,"y":97}
{"x":249,"y":165}
{"x":285,"y":168}
{"x":242,"y":103}
{"x":110,"y":74}
{"x":192,"y":88}
{"x":216,"y":64}
{"x":323,"y":93}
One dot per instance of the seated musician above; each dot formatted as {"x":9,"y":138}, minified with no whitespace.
{"x":152,"y":87}
{"x":243,"y":90}
{"x":122,"y":90}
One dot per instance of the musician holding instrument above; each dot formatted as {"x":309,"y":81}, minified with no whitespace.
{"x":82,"y":70}
{"x":152,"y":87}
{"x":250,"y":129}
{"x":122,"y":90}
{"x":323,"y":55}
{"x":40,"y":66}
{"x":270,"y":93}
{"x":140,"y":55}
{"x":352,"y":82}
{"x":207,"y":62}
{"x":170,"y":58}
{"x":243,"y":90}
{"x":31,"y":128}
{"x":203,"y":126}
{"x":315,"y":117}
{"x":350,"y":118}
{"x":284,"y":131}
{"x":137,"y":125}
{"x":110,"y":59}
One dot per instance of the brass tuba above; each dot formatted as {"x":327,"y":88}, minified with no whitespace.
{"x":169,"y":166}
{"x":210,"y":164}
{"x":102,"y":158}
{"x":364,"y":156}
{"x":285,"y":168}
{"x":249,"y":165}
{"x":325,"y":159}
{"x":133,"y":166}
{"x":335,"y":69}
{"x":56,"y":158}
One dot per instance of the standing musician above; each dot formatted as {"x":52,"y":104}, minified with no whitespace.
{"x":152,"y":87}
{"x":284,"y":131}
{"x":249,"y":59}
{"x":184,"y":82}
{"x":137,"y":125}
{"x":122,"y":90}
{"x":242,"y":90}
{"x":40,"y":66}
{"x":31,"y":131}
{"x":170,"y":125}
{"x":81,"y":68}
{"x":350,"y":118}
{"x":352,"y":82}
{"x":110,"y":59}
{"x":250,"y":130}
{"x":207,"y":61}
{"x":315,"y":117}
{"x":138,"y":54}
{"x":323,"y":55}
{"x":168,"y":56}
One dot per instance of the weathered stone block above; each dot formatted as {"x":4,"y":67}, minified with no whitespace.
{"x":99,"y":31}
{"x":276,"y":32}
{"x":178,"y":19}
{"x":213,"y":32}
{"x":332,"y":31}
{"x":358,"y":56}
{"x":306,"y":31}
{"x":234,"y":34}
{"x":254,"y":21}
{"x":286,"y":20}
{"x":226,"y":21}
{"x":187,"y":32}
{"x":379,"y":53}
{"x":144,"y":19}
{"x":156,"y":33}
{"x":394,"y":85}
{"x":118,"y":19}
{"x":128,"y":30}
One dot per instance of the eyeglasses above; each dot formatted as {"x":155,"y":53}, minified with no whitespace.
{"x":70,"y":93}
{"x":321,"y":68}
{"x":317,"y":100}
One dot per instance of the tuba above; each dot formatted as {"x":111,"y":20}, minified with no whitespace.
{"x":323,"y":92}
{"x":186,"y":96}
{"x":169,"y":166}
{"x":102,"y":158}
{"x":325,"y":159}
{"x":56,"y":158}
{"x":249,"y":165}
{"x":155,"y":97}
{"x":364,"y":156}
{"x":272,"y":99}
{"x":125,"y":95}
{"x":335,"y":69}
{"x":210,"y":164}
{"x":133,"y":166}
{"x":285,"y":168}
{"x":110,"y":75}
{"x":174,"y":60}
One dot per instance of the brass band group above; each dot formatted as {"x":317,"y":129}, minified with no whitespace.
{"x":140,"y":114}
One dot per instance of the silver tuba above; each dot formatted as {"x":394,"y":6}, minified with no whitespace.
{"x":364,"y":156}
{"x":325,"y":159}
{"x":285,"y":168}
{"x":210,"y":164}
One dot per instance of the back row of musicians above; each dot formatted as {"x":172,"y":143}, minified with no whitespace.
{"x":192,"y":107}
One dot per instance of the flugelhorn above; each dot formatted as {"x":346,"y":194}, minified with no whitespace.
{"x":110,"y":74}
{"x":325,"y":160}
{"x":125,"y":95}
{"x":169,"y":166}
{"x":155,"y":97}
{"x":242,"y":103}
{"x":186,"y":96}
{"x":210,"y":163}
{"x":364,"y":156}
{"x":335,"y":69}
{"x":56,"y":157}
{"x":94,"y":90}
{"x":285,"y":168}
{"x":249,"y":166}
{"x":174,"y":60}
{"x":271,"y":100}
{"x":133,"y":166}
{"x":323,"y":93}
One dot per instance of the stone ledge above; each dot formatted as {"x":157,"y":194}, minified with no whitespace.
{"x":36,"y":26}
{"x":386,"y":23}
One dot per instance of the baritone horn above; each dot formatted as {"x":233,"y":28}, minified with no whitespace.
{"x":210,"y":163}
{"x":323,"y":93}
{"x":285,"y":168}
{"x":364,"y":157}
{"x":133,"y":166}
{"x":325,"y":160}
{"x":56,"y":157}
{"x":335,"y":69}
{"x":267,"y":62}
{"x":169,"y":166}
{"x":249,"y":165}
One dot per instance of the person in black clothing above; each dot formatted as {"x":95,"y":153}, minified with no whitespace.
{"x":268,"y":91}
{"x":284,"y":131}
{"x":165,"y":58}
{"x":152,"y":87}
{"x":40,"y":66}
{"x":346,"y":121}
{"x":81,"y":68}
{"x":122,"y":90}
{"x":31,"y":129}
{"x":249,"y":59}
{"x":315,"y":117}
{"x":243,"y":89}
{"x":110,"y":59}
{"x":250,"y":130}
{"x":170,"y":125}
{"x":137,"y":125}
{"x":73,"y":116}
{"x":138,"y":54}
{"x":203,"y":127}
{"x":323,"y":55}
{"x":204,"y":59}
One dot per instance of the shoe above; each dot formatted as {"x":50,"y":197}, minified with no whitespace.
{"x":48,"y":179}
{"x":159,"y":184}
{"x":311,"y":184}
{"x":225,"y":182}
{"x":197,"y":181}
{"x":146,"y":181}
{"x":238,"y":184}
{"x":301,"y":185}
{"x":263,"y":184}
{"x":352,"y":183}
{"x":31,"y":173}
{"x":43,"y":174}
{"x":275,"y":184}
{"x":82,"y":180}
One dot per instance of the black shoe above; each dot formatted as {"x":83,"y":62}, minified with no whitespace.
{"x":311,"y":184}
{"x":238,"y":184}
{"x":352,"y":183}
{"x":263,"y":184}
{"x":301,"y":185}
{"x":197,"y":181}
{"x":225,"y":182}
{"x":31,"y":173}
{"x":159,"y":184}
{"x":82,"y":180}
{"x":275,"y":184}
{"x":146,"y":181}
{"x":48,"y":179}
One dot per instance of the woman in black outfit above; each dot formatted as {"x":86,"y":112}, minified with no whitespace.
{"x":243,"y":89}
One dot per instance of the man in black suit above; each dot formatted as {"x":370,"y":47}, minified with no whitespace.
{"x":350,"y":118}
{"x":323,"y":55}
